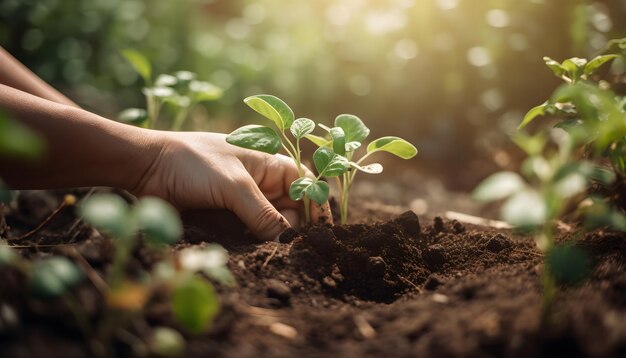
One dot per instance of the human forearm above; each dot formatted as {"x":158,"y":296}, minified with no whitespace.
{"x":82,"y":149}
{"x":16,"y":75}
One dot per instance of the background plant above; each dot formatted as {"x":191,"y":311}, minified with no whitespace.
{"x":180,"y":91}
{"x":589,"y":153}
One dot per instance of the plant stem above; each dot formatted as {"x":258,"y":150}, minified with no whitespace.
{"x":296,"y":156}
{"x":344,"y":188}
{"x":152,"y":110}
{"x":122,"y":252}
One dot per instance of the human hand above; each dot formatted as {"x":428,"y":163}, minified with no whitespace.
{"x":195,"y":170}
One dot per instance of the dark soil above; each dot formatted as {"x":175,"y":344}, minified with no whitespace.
{"x":403,"y":287}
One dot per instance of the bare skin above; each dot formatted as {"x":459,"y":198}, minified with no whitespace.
{"x":191,"y":170}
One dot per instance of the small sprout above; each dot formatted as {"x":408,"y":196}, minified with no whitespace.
{"x":53,"y":277}
{"x":166,"y":342}
{"x":194,"y":304}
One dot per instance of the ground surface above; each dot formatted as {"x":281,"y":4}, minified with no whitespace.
{"x":401,"y":286}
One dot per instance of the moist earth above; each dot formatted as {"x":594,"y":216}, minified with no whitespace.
{"x":403,"y":286}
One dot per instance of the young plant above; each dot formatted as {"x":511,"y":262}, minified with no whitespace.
{"x":268,"y":140}
{"x":333,"y":158}
{"x":193,"y":300}
{"x":181,"y":91}
{"x":343,"y":140}
{"x":591,"y":132}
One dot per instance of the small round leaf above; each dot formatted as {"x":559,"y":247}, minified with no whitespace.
{"x":195,"y":304}
{"x":53,"y":277}
{"x":329,"y":163}
{"x":107,"y":212}
{"x":158,"y":220}
{"x":255,"y":137}
{"x":525,"y":208}
{"x":297,"y":189}
{"x":567,"y":264}
{"x":318,"y":192}
{"x":301,"y":127}
{"x":373,"y":168}
{"x":353,"y":127}
{"x":167,"y":342}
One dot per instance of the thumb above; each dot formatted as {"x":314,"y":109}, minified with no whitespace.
{"x":257,"y":213}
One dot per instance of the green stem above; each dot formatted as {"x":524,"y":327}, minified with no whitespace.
{"x":344,"y":190}
{"x":296,"y":156}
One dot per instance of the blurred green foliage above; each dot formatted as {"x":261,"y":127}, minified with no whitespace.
{"x":441,"y":69}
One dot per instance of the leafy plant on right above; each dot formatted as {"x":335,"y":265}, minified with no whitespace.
{"x":580,"y":172}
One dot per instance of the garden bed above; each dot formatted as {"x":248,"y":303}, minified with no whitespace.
{"x":401,"y":286}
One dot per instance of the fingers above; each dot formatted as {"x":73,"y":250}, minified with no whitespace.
{"x":257,"y":213}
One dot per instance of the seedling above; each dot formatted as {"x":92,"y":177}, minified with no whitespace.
{"x":593,"y":126}
{"x":181,"y":91}
{"x":333,"y":158}
{"x":344,"y":139}
{"x":268,"y":140}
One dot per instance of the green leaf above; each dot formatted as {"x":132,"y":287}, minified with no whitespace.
{"x":329,"y":163}
{"x":594,"y":64}
{"x":570,"y":185}
{"x":17,"y":141}
{"x":339,"y":140}
{"x":316,"y":190}
{"x":167,"y":342}
{"x":498,"y":186}
{"x":158,"y":221}
{"x":204,"y":91}
{"x":302,"y":127}
{"x":140,"y":63}
{"x":373,"y":168}
{"x":535,"y":112}
{"x":134,"y":116}
{"x":555,"y":66}
{"x":599,"y":214}
{"x":317,"y":140}
{"x":603,"y":176}
{"x":394,"y":145}
{"x":273,"y":108}
{"x":255,"y":137}
{"x":109,"y":213}
{"x":525,"y":208}
{"x":353,"y":127}
{"x":53,"y":277}
{"x":297,"y":189}
{"x":194,"y":304}
{"x":567,"y":264}
{"x":319,"y":192}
